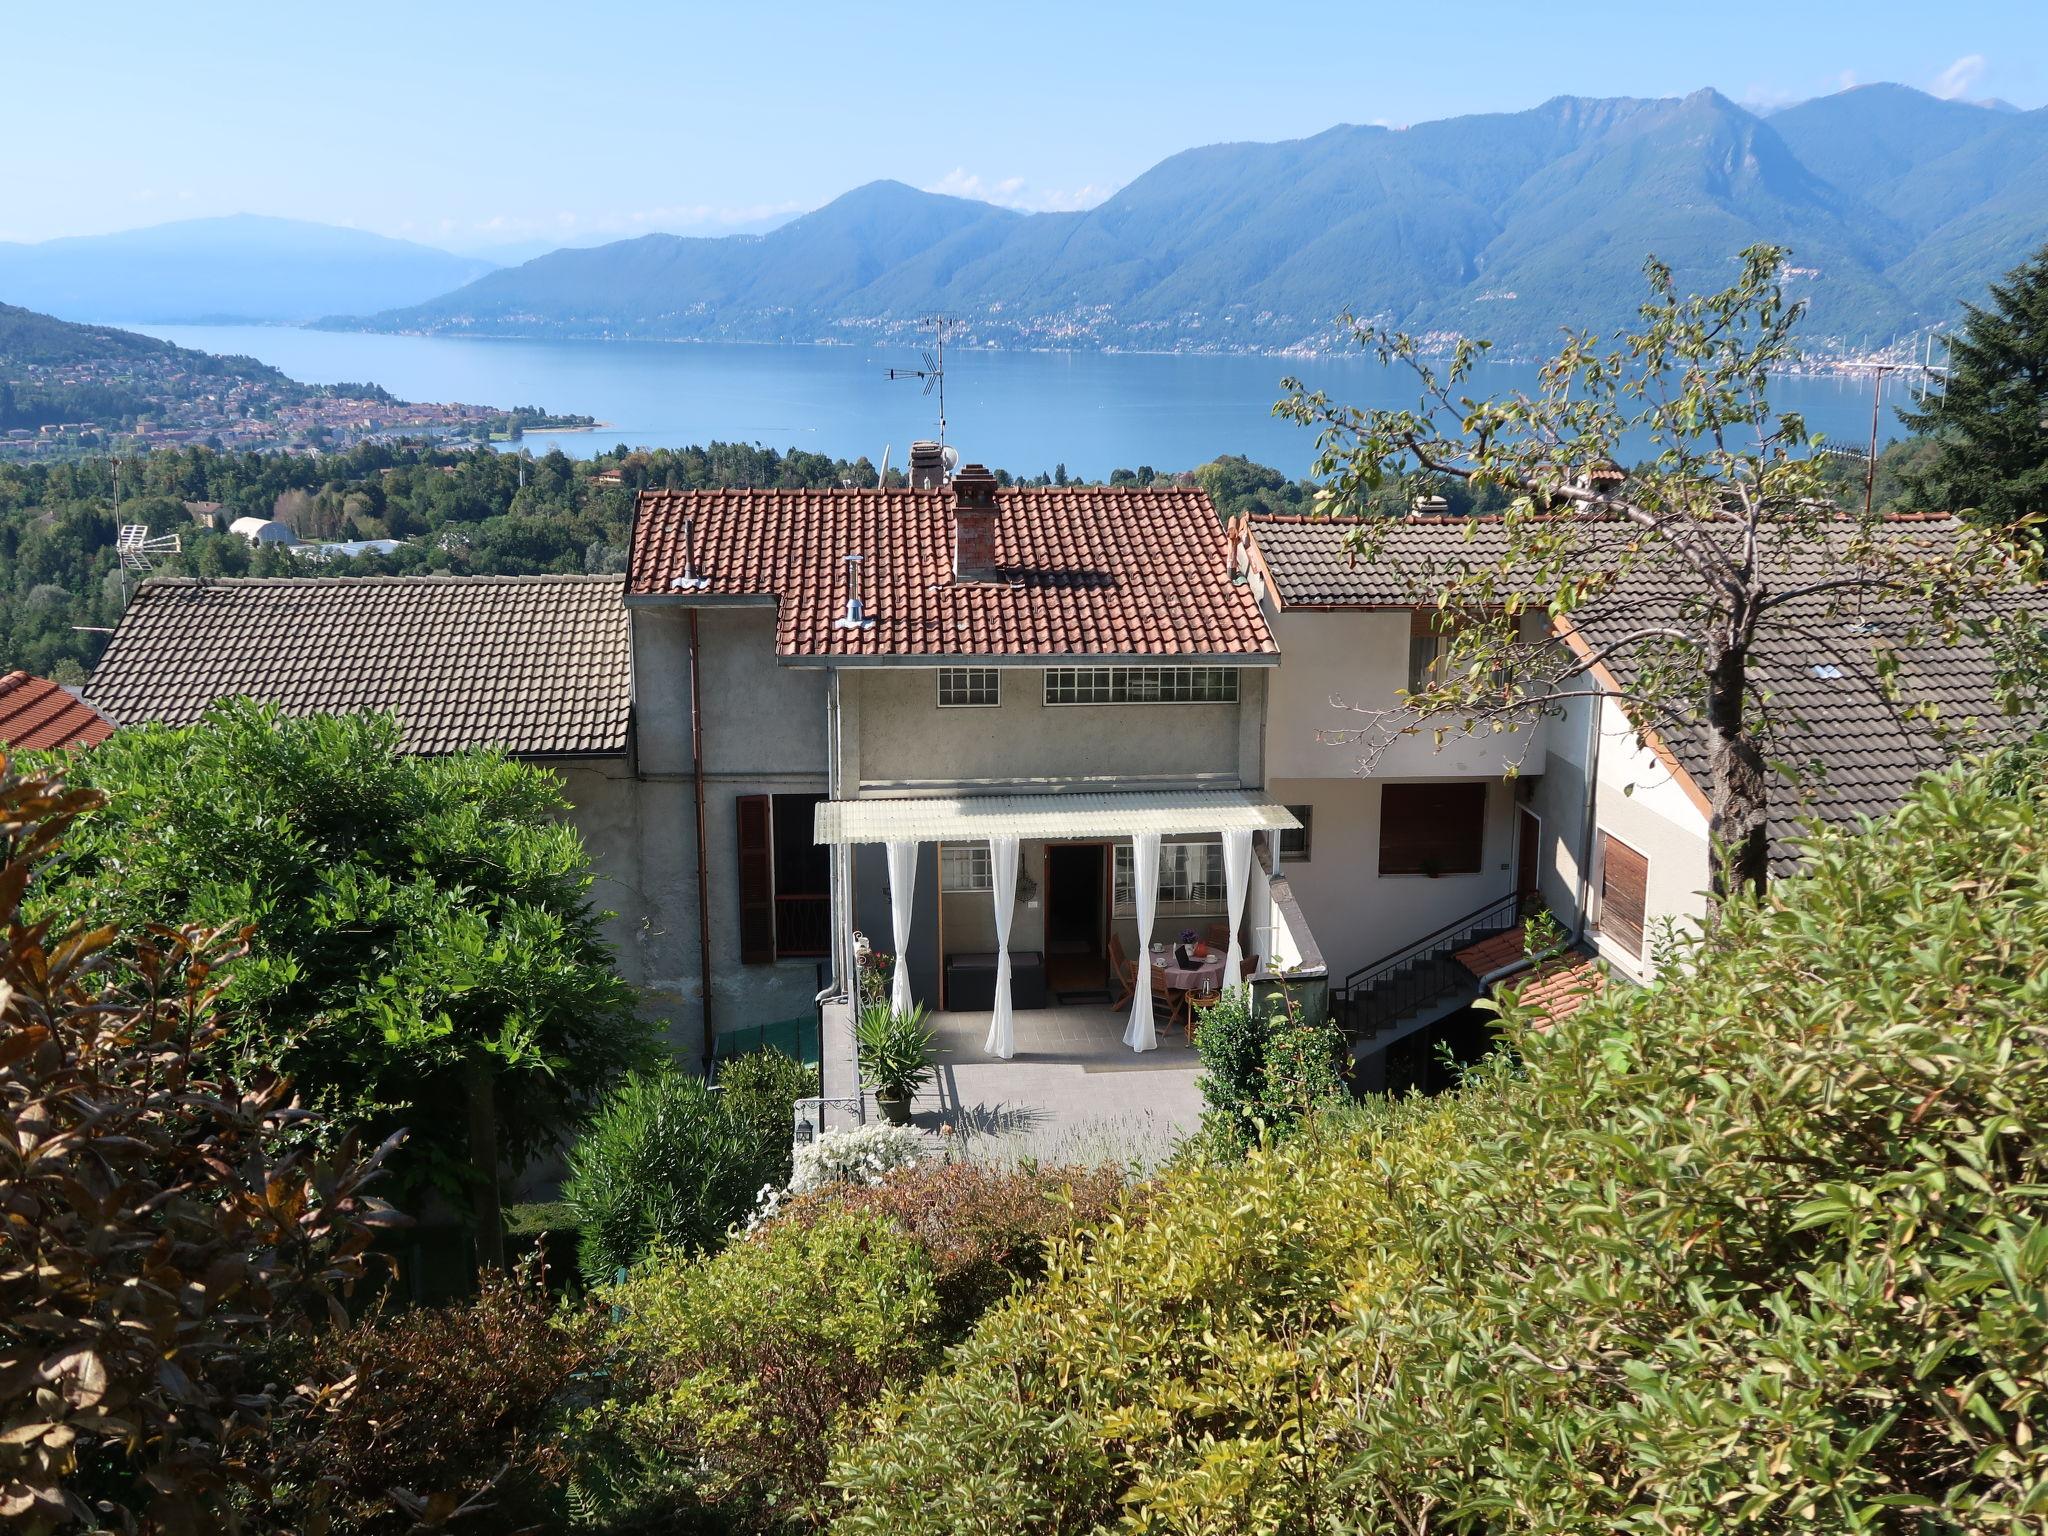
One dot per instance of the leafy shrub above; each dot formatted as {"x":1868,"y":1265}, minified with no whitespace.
{"x":1759,"y":1250}
{"x":664,"y":1165}
{"x":744,"y":1363}
{"x":895,"y":1049}
{"x":981,"y":1230}
{"x":1265,"y":1068}
{"x":163,"y":1225}
{"x":422,"y":923}
{"x":760,"y":1090}
{"x":436,"y":1411}
{"x":861,"y":1154}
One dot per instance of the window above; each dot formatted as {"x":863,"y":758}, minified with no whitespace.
{"x":1432,"y":829}
{"x":1426,"y":645}
{"x":969,"y":688}
{"x":1190,"y":879}
{"x":784,"y":880}
{"x":1141,"y":685}
{"x":1294,"y":841}
{"x":966,"y":867}
{"x":1624,"y":885}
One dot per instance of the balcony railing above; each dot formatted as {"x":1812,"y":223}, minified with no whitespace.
{"x":803,"y":926}
{"x":1418,"y":974}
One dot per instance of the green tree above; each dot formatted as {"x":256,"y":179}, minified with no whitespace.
{"x":1991,"y":417}
{"x":1698,"y":562}
{"x":424,"y":953}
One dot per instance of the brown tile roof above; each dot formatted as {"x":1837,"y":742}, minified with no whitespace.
{"x":1556,"y":989}
{"x":539,"y":665}
{"x":1086,"y":572}
{"x":36,"y":713}
{"x":1854,"y":758}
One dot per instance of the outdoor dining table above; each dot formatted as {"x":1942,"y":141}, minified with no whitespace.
{"x":1205,"y":975}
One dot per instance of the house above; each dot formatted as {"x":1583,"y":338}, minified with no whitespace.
{"x":1436,"y":853}
{"x":537,"y":665}
{"x":37,"y":714}
{"x":960,"y":719}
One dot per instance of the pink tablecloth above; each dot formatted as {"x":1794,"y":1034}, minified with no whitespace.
{"x":1207,"y":976}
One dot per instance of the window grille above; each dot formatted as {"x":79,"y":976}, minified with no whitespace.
{"x":969,"y":688}
{"x":1190,"y":880}
{"x":966,"y":867}
{"x":1141,"y":685}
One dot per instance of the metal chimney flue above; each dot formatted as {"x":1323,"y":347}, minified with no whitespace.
{"x":856,"y":615}
{"x":693,"y":578}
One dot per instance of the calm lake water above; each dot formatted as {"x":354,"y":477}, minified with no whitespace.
{"x":1022,"y":411}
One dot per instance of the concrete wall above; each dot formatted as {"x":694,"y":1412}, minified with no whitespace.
{"x":1357,"y":914}
{"x":1638,"y":800}
{"x":1360,"y":658}
{"x":764,"y":733}
{"x":896,"y":736}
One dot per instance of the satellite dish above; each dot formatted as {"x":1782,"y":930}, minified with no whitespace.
{"x":951,"y":456}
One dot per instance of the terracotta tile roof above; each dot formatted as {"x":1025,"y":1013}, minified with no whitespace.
{"x":36,"y":713}
{"x":539,"y":665}
{"x":1855,"y":758}
{"x":1556,"y":989}
{"x":1085,"y":572}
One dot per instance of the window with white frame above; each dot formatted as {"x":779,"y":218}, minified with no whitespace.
{"x":965,"y":867}
{"x":1190,"y":879}
{"x":969,"y":688}
{"x":1141,"y":685}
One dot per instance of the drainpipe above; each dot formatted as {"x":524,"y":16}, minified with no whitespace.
{"x":703,"y":871}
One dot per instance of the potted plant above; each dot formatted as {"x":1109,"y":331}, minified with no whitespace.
{"x":1182,"y":952}
{"x":895,"y":1057}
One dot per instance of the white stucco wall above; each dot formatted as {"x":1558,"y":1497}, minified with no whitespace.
{"x":899,"y":737}
{"x":1357,"y":914}
{"x":1638,"y":800}
{"x":1360,"y":657}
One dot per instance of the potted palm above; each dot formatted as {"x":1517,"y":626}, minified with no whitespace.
{"x":895,"y":1057}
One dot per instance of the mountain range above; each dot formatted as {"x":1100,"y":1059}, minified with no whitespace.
{"x":224,"y":271}
{"x":1896,"y":205}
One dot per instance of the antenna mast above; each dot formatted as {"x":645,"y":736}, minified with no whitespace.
{"x":934,"y":370}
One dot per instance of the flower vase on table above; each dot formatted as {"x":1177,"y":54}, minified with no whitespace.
{"x":1181,"y":957}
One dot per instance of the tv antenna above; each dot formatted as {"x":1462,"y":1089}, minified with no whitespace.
{"x":934,"y":370}
{"x":135,"y":547}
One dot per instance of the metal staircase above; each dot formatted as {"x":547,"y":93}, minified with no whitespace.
{"x":1420,"y":976}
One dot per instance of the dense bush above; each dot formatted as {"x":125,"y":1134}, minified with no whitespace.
{"x":760,"y":1092}
{"x":980,"y":1230}
{"x":742,"y":1365}
{"x":422,"y":924}
{"x":1266,"y":1066}
{"x":664,"y":1165}
{"x":432,"y":1412}
{"x":162,"y":1228}
{"x":1759,"y":1250}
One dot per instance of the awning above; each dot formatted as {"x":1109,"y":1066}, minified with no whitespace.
{"x":971,"y":818}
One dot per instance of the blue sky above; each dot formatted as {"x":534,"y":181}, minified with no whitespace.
{"x":521,"y":125}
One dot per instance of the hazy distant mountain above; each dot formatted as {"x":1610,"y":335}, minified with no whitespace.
{"x":1896,"y":205}
{"x":243,"y":268}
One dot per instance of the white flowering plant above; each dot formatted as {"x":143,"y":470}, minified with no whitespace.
{"x":863,"y":1154}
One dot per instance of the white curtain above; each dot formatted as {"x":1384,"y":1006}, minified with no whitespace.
{"x":1140,"y":1036}
{"x":1002,"y":1034}
{"x":1237,"y":869}
{"x":902,"y":887}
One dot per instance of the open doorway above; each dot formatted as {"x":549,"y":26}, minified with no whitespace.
{"x":1076,"y":917}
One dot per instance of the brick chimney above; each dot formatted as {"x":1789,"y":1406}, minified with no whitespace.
{"x":927,"y":465}
{"x":974,"y":524}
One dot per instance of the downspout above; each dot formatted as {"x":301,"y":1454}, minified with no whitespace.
{"x":1594,"y":709}
{"x":703,"y":869}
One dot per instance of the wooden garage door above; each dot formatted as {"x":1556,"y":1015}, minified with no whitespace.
{"x":1624,"y":879}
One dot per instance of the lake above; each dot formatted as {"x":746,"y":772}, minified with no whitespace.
{"x":1021,"y":411}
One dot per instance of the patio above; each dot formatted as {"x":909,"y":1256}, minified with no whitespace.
{"x":1074,"y":1092}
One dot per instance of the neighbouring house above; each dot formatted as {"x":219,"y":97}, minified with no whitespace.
{"x":1417,"y":861}
{"x":539,"y":666}
{"x":962,"y":720}
{"x":37,"y":714}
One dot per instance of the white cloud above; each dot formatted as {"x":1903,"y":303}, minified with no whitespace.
{"x":1016,"y":192}
{"x":1960,"y":77}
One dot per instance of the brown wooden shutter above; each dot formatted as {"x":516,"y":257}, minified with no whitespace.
{"x":757,"y":880}
{"x":1624,"y":882}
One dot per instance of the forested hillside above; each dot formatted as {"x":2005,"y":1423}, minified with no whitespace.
{"x":1895,"y":205}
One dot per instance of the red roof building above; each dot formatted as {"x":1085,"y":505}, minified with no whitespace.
{"x":1107,"y":573}
{"x":36,"y":713}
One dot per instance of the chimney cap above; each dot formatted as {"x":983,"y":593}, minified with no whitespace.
{"x":974,"y":486}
